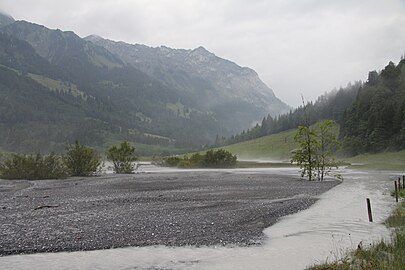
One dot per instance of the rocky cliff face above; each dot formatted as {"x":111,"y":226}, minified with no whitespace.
{"x":198,"y":71}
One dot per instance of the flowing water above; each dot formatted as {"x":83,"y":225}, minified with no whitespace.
{"x":336,"y":222}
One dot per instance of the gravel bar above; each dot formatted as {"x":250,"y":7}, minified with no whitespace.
{"x":173,"y":209}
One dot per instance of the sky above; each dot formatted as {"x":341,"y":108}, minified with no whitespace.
{"x":297,"y":47}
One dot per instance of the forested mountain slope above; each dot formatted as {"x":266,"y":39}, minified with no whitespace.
{"x":371,"y":115}
{"x":376,"y":120}
{"x":328,"y":106}
{"x":57,"y":87}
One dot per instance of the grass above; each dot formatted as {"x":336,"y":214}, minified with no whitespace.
{"x":279,"y":146}
{"x":272,"y":147}
{"x":179,"y":109}
{"x":381,"y":255}
{"x":146,"y":152}
{"x":380,"y":161}
{"x":59,"y":86}
{"x":101,"y":61}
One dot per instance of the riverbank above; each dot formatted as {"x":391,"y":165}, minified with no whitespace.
{"x":186,"y":208}
{"x":381,"y":255}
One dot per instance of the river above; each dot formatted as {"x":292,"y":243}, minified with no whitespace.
{"x":337,"y":222}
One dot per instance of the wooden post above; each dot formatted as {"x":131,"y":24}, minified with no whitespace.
{"x":370,"y":215}
{"x":396,"y":191}
{"x":399,"y":183}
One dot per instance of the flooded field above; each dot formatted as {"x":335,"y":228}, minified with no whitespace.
{"x":337,"y":221}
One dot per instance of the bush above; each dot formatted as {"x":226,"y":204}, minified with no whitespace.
{"x":219,"y":159}
{"x":211,"y":159}
{"x":81,"y":160}
{"x":172,"y":161}
{"x":33,"y":167}
{"x":122,"y":156}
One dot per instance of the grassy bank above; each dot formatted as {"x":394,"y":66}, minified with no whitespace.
{"x":380,"y":256}
{"x":278,"y":147}
{"x":272,"y":147}
{"x":380,"y":161}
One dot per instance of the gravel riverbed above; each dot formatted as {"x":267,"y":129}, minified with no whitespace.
{"x":199,"y":208}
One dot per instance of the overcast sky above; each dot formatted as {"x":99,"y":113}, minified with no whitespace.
{"x":296,"y":46}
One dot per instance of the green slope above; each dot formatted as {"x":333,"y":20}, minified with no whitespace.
{"x":379,"y":161}
{"x":278,"y":147}
{"x":273,"y":147}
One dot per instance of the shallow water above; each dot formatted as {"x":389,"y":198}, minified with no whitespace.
{"x":336,"y":222}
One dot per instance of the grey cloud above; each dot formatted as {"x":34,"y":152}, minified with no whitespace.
{"x":305,"y":46}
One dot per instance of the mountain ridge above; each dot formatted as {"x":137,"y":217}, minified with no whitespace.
{"x":182,"y":103}
{"x":5,"y":19}
{"x":190,"y":61}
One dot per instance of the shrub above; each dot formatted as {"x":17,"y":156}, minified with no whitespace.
{"x":172,"y":161}
{"x":33,"y":167}
{"x":122,"y":156}
{"x":81,"y":160}
{"x":211,"y":159}
{"x":197,"y":160}
{"x":219,"y":159}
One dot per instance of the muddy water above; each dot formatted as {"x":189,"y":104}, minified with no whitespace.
{"x":338,"y":221}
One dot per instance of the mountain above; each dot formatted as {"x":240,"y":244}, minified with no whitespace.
{"x":5,"y":19}
{"x":219,"y":85}
{"x":56,"y":87}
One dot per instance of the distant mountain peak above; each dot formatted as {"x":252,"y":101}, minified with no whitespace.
{"x":5,"y":19}
{"x":201,"y":51}
{"x":93,"y":38}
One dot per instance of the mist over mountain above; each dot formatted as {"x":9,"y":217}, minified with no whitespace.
{"x":371,"y":114}
{"x":214,"y":81}
{"x":99,"y":91}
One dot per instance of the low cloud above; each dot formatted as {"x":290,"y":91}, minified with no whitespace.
{"x":308,"y":46}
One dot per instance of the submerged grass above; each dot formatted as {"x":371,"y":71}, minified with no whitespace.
{"x":382,"y":255}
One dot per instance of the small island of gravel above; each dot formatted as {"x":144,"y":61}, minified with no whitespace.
{"x":173,"y":209}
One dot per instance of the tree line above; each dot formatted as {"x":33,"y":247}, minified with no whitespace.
{"x":330,"y":106}
{"x":376,"y":120}
{"x":371,"y":115}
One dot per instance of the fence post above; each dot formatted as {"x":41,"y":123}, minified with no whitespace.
{"x":399,"y":183}
{"x":370,"y":215}
{"x":396,"y":191}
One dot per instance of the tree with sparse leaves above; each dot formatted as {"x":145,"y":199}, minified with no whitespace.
{"x":327,"y":145}
{"x":316,"y":148}
{"x":305,"y":155}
